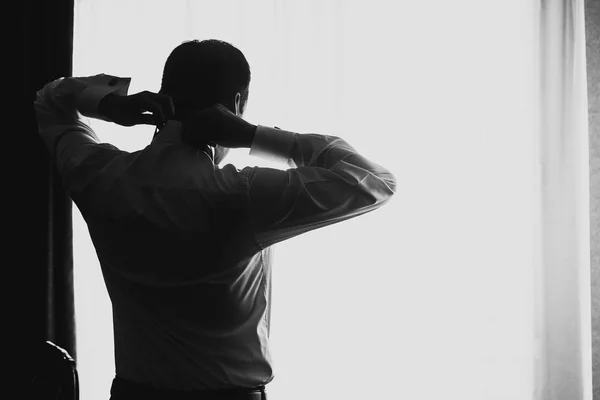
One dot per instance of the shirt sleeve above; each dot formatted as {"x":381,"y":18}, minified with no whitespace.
{"x":60,"y":106}
{"x":328,"y":182}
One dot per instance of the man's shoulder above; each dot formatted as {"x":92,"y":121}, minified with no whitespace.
{"x":98,"y":157}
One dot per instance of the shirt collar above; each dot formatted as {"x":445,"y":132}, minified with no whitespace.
{"x":170,"y":132}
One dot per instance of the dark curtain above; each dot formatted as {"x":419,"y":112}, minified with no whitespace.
{"x":42,"y":250}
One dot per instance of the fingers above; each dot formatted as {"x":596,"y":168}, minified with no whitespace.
{"x":146,"y":119}
{"x":155,"y":108}
{"x":166,"y":104}
{"x":149,"y":108}
{"x":160,"y":105}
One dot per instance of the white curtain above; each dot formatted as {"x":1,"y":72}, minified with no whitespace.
{"x":473,"y":282}
{"x":562,"y":269}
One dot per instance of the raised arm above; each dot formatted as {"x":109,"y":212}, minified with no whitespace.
{"x":71,"y":142}
{"x":59,"y":107}
{"x":328,"y":181}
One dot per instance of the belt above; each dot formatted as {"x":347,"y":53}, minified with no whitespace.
{"x":123,"y":389}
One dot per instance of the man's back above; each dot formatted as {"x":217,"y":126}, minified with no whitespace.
{"x":191,"y":284}
{"x":184,"y":245}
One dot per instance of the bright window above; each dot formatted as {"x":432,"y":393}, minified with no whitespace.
{"x":429,"y":297}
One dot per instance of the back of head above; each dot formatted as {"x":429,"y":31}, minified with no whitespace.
{"x":199,"y":74}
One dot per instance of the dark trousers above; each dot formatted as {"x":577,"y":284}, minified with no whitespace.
{"x":123,"y":389}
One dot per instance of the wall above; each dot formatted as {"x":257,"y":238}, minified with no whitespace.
{"x":592,"y":20}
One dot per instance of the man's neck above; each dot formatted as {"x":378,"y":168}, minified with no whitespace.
{"x":204,"y":147}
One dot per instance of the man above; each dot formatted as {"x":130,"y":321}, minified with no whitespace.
{"x":185,"y":245}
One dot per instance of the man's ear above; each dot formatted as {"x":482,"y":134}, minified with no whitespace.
{"x":238,"y":98}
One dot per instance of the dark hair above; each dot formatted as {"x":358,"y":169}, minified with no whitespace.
{"x":199,"y":74}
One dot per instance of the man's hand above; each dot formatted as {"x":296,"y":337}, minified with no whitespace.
{"x":132,"y":110}
{"x":217,"y":125}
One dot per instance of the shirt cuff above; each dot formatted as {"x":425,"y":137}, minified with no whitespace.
{"x":272,"y":144}
{"x":97,"y":87}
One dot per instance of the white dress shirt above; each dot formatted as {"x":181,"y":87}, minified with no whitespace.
{"x":185,"y":245}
